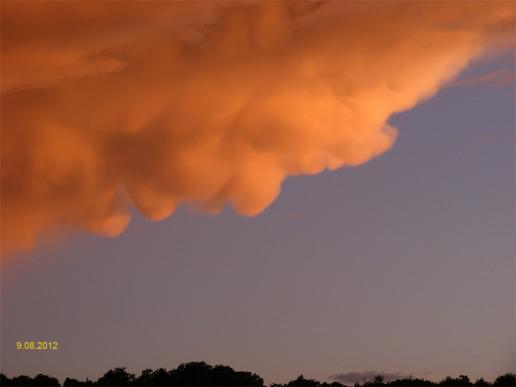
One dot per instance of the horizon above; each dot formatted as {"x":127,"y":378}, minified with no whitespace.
{"x":374,"y":378}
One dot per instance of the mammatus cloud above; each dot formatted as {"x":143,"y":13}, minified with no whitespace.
{"x":499,"y":77}
{"x":106,"y":105}
{"x":367,"y":376}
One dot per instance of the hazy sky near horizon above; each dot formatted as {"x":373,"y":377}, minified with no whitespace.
{"x":403,"y":264}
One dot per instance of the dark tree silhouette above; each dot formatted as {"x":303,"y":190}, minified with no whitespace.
{"x":148,"y":377}
{"x":462,"y":380}
{"x":301,"y":381}
{"x":44,"y":380}
{"x":116,"y":377}
{"x":202,"y":374}
{"x":4,"y":380}
{"x":377,"y":381}
{"x":507,"y":380}
{"x":70,"y":382}
{"x":409,"y":382}
{"x":145,"y":378}
{"x":24,"y":380}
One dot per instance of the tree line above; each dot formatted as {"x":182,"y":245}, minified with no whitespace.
{"x":202,"y":374}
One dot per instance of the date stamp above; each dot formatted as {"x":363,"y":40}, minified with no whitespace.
{"x":37,"y":345}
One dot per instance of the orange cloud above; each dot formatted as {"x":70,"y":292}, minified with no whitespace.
{"x":153,"y":104}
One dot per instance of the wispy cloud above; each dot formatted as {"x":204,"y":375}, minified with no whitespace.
{"x":497,"y":78}
{"x":365,"y":376}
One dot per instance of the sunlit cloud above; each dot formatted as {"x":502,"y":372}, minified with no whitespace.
{"x":108,"y":105}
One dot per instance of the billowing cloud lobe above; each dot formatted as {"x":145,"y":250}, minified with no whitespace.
{"x":111,"y":104}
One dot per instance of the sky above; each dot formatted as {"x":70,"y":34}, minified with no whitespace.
{"x":348,"y":245}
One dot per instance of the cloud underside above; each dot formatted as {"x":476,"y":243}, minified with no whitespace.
{"x":108,"y":105}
